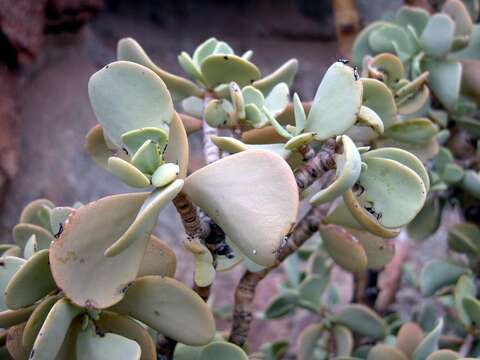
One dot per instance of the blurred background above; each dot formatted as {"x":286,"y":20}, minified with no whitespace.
{"x":49,"y":49}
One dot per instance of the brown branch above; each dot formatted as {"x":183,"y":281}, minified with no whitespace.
{"x":245,"y":291}
{"x":315,"y":166}
{"x":194,"y":225}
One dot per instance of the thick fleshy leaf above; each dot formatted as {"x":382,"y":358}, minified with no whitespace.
{"x":344,"y":248}
{"x":146,"y":218}
{"x":394,"y":193}
{"x":471,"y":306}
{"x":349,"y":166}
{"x":147,"y":158}
{"x":226,"y":189}
{"x":37,"y":213}
{"x":129,"y":50}
{"x":220,"y":350}
{"x":336,"y":102}
{"x":390,"y":38}
{"x":165,"y":174}
{"x":409,"y":337}
{"x":369,"y":118}
{"x":459,"y":13}
{"x":379,"y":251}
{"x":190,"y":123}
{"x":126,"y":96}
{"x":96,"y":146}
{"x":427,"y":220}
{"x":403,"y":157}
{"x":471,"y":79}
{"x":127,"y":172}
{"x":135,"y":139}
{"x":159,"y":259}
{"x":30,"y":283}
{"x":437,"y":274}
{"x":203,"y":50}
{"x":277,"y":99}
{"x":127,"y":327}
{"x":282,"y":304}
{"x":219,"y":113}
{"x":362,"y":320}
{"x":91,"y":345}
{"x":464,"y":287}
{"x":414,"y":103}
{"x":308,"y":340}
{"x":80,"y":269}
{"x":464,"y":238}
{"x":285,"y":73}
{"x":441,"y":73}
{"x":204,"y":271}
{"x":358,"y":217}
{"x":383,"y":352}
{"x":189,"y":66}
{"x":389,"y":65}
{"x":378,"y":97}
{"x":169,"y":307}
{"x":413,"y":16}
{"x":412,"y":130}
{"x":14,"y":343}
{"x":9,"y":265}
{"x":14,"y":317}
{"x":429,"y":344}
{"x":472,"y":50}
{"x":343,"y":340}
{"x":310,"y":291}
{"x":360,"y":46}
{"x":54,"y":329}
{"x":22,"y":232}
{"x":36,"y":320}
{"x":438,"y":35}
{"x":58,"y":217}
{"x":222,"y":69}
{"x":444,"y":354}
{"x":471,"y":183}
{"x":177,"y":150}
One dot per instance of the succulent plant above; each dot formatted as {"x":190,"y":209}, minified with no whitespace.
{"x":93,"y":282}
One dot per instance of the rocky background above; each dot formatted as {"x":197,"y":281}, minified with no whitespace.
{"x":49,"y":49}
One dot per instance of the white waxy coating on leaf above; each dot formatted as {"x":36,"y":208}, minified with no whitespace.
{"x":252,"y":196}
{"x":126,"y":96}
{"x":349,"y":166}
{"x":337,"y":102}
{"x":109,"y":346}
{"x":146,"y":218}
{"x":78,"y":264}
{"x":169,"y":307}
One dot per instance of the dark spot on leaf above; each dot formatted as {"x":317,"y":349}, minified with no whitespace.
{"x":156,"y":313}
{"x":225,"y":57}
